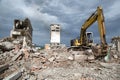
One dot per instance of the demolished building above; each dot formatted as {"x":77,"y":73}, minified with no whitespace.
{"x":116,"y":42}
{"x":54,"y":37}
{"x":21,"y":29}
{"x":20,"y":63}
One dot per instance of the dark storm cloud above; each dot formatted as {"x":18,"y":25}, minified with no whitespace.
{"x":70,"y":14}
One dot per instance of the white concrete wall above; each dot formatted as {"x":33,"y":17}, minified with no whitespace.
{"x":55,"y":35}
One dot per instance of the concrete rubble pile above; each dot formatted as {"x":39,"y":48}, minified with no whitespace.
{"x":18,"y":61}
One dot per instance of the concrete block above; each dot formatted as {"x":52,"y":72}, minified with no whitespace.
{"x":80,"y":57}
{"x":70,"y":58}
{"x":91,"y":57}
{"x":51,"y":59}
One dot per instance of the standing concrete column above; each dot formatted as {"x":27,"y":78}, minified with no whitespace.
{"x":55,"y":35}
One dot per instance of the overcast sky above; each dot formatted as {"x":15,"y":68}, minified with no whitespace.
{"x":70,"y":14}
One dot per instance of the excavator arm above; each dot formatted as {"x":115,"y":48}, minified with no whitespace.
{"x":96,"y":16}
{"x":101,"y":26}
{"x":84,"y":27}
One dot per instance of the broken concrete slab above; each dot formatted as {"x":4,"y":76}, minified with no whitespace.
{"x":71,"y":57}
{"x":115,"y":56}
{"x":91,"y":57}
{"x":3,"y":67}
{"x":80,"y":57}
{"x":51,"y":59}
{"x":14,"y":76}
{"x":6,"y":46}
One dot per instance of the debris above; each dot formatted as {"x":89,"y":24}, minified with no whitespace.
{"x":91,"y":57}
{"x":19,"y":60}
{"x":115,"y":56}
{"x":17,"y":56}
{"x":51,"y":59}
{"x":14,"y":76}
{"x":80,"y":57}
{"x":70,"y":58}
{"x":4,"y":67}
{"x":26,"y":53}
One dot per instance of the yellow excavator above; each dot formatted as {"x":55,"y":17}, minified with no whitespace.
{"x":85,"y":41}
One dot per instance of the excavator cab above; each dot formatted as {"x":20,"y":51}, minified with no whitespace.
{"x":89,"y":38}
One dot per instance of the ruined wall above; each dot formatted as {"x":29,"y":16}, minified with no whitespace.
{"x":116,"y":42}
{"x":22,"y":29}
